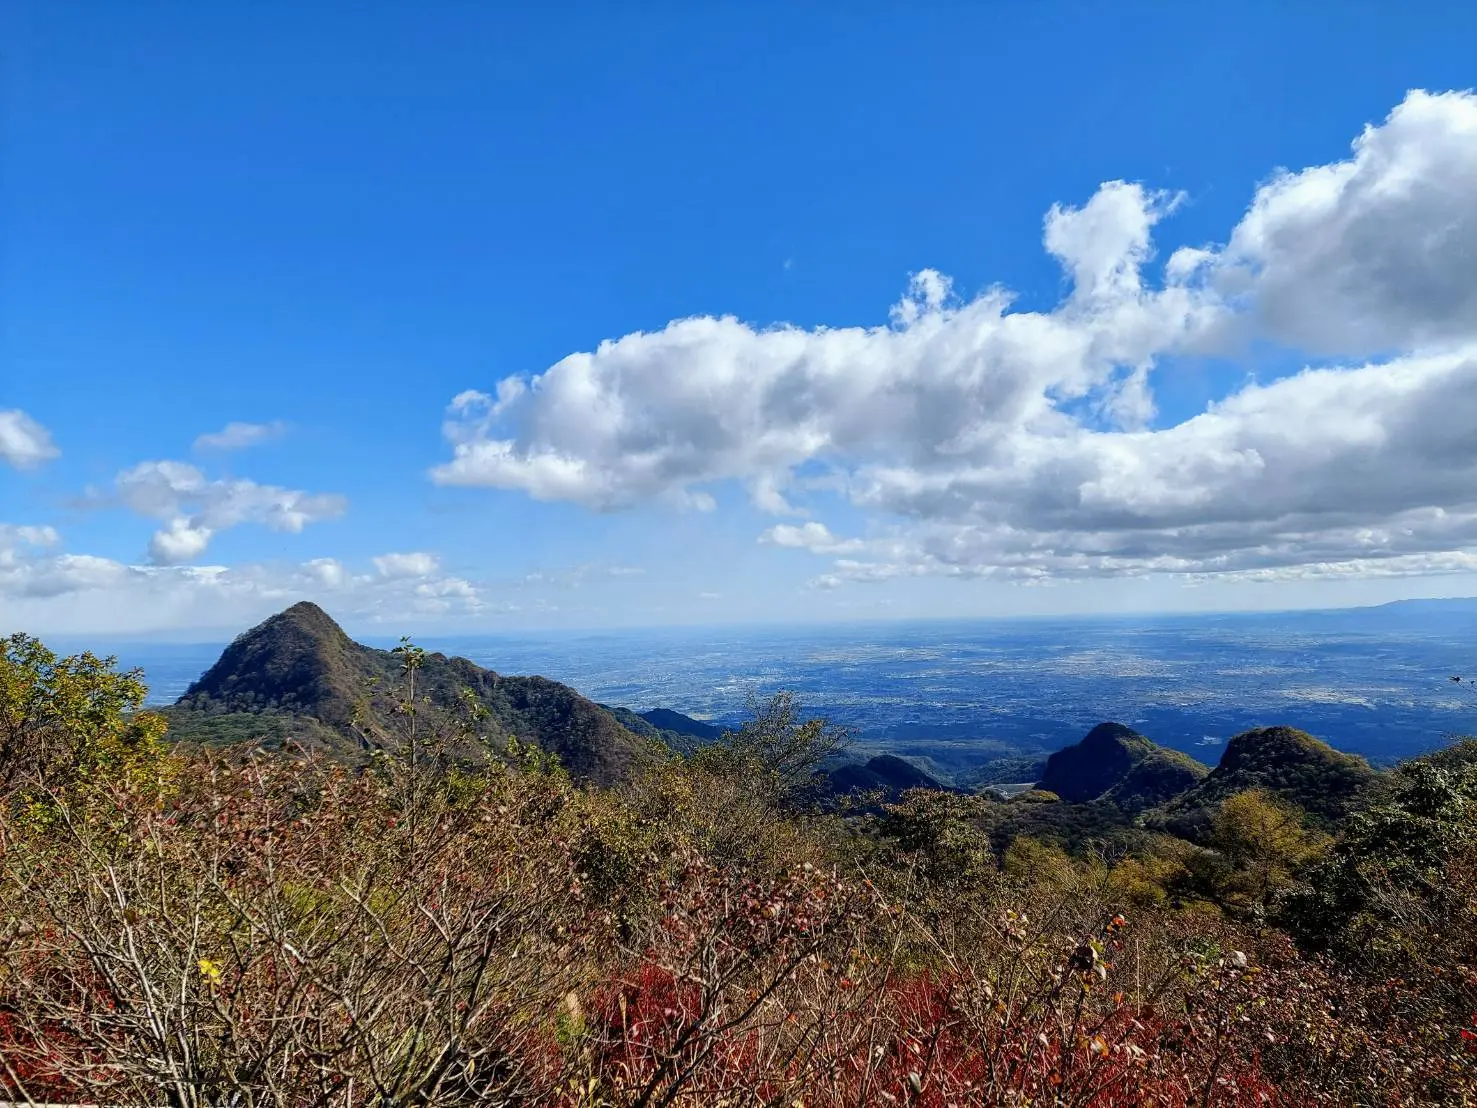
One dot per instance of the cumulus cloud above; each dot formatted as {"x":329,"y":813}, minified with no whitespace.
{"x":1369,"y":255}
{"x":45,"y":590}
{"x":446,"y":594}
{"x":62,"y":574}
{"x":326,"y":571}
{"x":14,"y":536}
{"x":416,"y":564}
{"x":768,"y":494}
{"x":29,"y":570}
{"x":814,"y":537}
{"x":24,"y":443}
{"x":238,"y":436}
{"x":651,"y":416}
{"x":1367,"y":463}
{"x":985,"y":441}
{"x":196,"y":508}
{"x":180,"y":542}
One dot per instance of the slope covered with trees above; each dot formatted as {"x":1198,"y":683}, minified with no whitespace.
{"x":1117,"y":764}
{"x":299,"y":676}
{"x":1292,"y":765}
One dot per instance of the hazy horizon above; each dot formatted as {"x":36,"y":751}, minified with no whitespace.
{"x":379,"y":635}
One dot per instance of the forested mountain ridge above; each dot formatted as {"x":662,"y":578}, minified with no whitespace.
{"x":1116,"y":763}
{"x":1323,"y":783}
{"x":299,"y":676}
{"x":676,"y":731}
{"x":883,"y":773}
{"x":297,"y":673}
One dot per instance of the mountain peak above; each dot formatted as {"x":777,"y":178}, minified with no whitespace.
{"x":1117,"y":763}
{"x":1278,"y":746}
{"x":306,"y":616}
{"x":1115,"y":736}
{"x":295,"y":661}
{"x":1291,"y":764}
{"x":300,"y":664}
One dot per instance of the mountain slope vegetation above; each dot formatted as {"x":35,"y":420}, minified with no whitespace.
{"x":1288,"y":764}
{"x":1116,"y":764}
{"x":200,"y":925}
{"x":305,"y":677}
{"x":674,"y":730}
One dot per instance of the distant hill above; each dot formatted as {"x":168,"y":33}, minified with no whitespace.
{"x":1115,"y":763}
{"x":667,"y":720}
{"x":887,"y":773}
{"x":673,"y":729}
{"x":299,"y":675}
{"x":1464,"y":604}
{"x":1322,"y":781}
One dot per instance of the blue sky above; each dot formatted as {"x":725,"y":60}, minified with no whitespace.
{"x":328,"y":222}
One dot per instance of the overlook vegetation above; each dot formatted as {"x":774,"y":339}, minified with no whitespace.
{"x":413,"y":881}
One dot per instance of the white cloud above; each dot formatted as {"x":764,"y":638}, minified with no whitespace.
{"x":13,"y":536}
{"x":416,"y":564}
{"x":446,"y":594}
{"x":814,"y":537}
{"x":650,"y":416}
{"x":1397,"y":565}
{"x":68,"y":573}
{"x":1103,"y":246}
{"x":180,"y":542}
{"x":1021,"y":445}
{"x":238,"y":436}
{"x":1328,"y":465}
{"x":48,"y":592}
{"x":768,"y":494}
{"x":327,"y":571}
{"x":196,"y":508}
{"x":27,"y":570}
{"x":24,"y":443}
{"x":1369,"y":255}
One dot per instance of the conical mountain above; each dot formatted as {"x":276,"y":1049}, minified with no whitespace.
{"x":299,"y":662}
{"x":1116,"y":763}
{"x":299,"y":673}
{"x":1291,"y":764}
